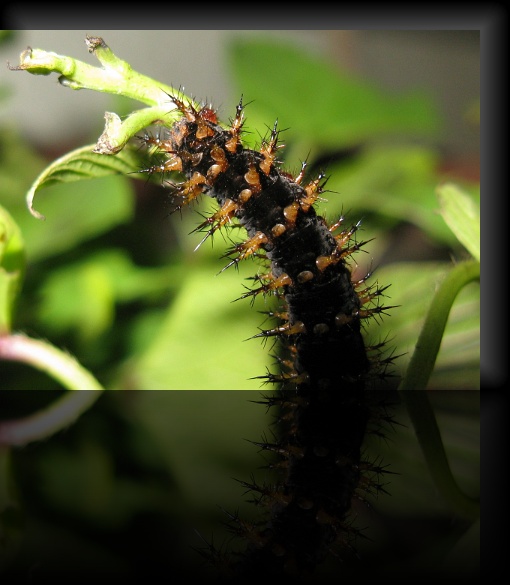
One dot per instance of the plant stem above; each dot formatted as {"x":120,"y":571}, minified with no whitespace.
{"x":117,"y":132}
{"x":427,"y":347}
{"x":42,"y":355}
{"x":115,"y":76}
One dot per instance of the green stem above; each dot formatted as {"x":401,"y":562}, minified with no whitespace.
{"x":424,"y":357}
{"x":117,"y":133}
{"x":115,"y":76}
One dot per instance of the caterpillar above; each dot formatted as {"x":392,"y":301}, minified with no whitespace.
{"x":326,"y":398}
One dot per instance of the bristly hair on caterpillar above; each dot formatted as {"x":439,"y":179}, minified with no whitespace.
{"x":327,"y":381}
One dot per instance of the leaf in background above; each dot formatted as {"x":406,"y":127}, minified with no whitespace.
{"x":462,"y":215}
{"x":201,"y":343}
{"x":325,"y":109}
{"x":320,"y":104}
{"x":82,"y":296}
{"x":19,"y":163}
{"x":12,"y":267}
{"x":394,"y":183}
{"x":79,"y":298}
{"x":76,"y":212}
{"x":82,"y":164}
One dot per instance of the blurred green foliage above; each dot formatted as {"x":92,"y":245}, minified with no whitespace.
{"x":115,"y":280}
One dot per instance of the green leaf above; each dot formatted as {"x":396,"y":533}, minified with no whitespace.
{"x":12,"y":267}
{"x":200,"y":344}
{"x":76,"y":212}
{"x":81,"y":297}
{"x":81,"y":164}
{"x":19,"y":163}
{"x":393,"y":182}
{"x":319,"y":103}
{"x":462,"y":215}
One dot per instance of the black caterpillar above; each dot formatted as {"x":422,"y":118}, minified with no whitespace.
{"x":324,"y":398}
